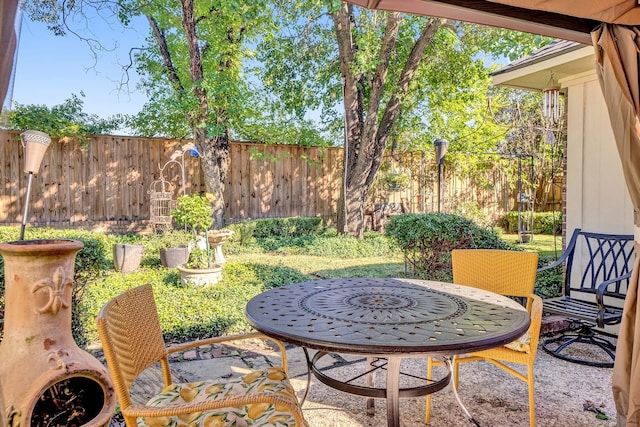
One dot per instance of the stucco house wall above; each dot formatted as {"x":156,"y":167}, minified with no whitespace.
{"x":597,"y":198}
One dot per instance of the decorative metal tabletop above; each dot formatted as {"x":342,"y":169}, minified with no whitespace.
{"x":387,"y":316}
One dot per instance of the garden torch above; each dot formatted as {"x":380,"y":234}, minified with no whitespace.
{"x":35,"y":144}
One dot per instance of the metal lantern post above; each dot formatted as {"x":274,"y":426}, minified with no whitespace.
{"x":441,"y":151}
{"x":35,"y":144}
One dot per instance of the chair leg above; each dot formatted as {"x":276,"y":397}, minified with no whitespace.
{"x":427,"y":411}
{"x":532,"y":396}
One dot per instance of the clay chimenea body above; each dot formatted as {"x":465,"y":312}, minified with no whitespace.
{"x":45,"y":378}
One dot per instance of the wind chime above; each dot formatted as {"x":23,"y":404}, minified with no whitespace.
{"x":551,"y":101}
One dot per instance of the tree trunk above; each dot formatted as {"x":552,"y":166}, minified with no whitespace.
{"x":366,"y":136}
{"x":214,"y":151}
{"x":353,"y":217}
{"x":214,"y":160}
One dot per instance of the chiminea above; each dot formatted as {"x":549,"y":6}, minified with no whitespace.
{"x":45,"y":378}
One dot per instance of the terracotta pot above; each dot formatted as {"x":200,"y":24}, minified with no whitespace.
{"x":38,"y":355}
{"x":173,"y":257}
{"x":127,"y":258}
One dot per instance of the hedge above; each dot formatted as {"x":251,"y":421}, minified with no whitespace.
{"x":428,"y":239}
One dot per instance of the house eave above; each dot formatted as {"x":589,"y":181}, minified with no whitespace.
{"x":535,"y":74}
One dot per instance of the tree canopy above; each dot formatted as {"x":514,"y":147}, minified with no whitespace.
{"x":66,"y":121}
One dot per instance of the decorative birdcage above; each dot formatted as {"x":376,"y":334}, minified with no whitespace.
{"x":162,"y":203}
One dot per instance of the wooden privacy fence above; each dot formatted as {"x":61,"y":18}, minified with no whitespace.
{"x":106,"y":185}
{"x":108,"y":182}
{"x":282,"y":181}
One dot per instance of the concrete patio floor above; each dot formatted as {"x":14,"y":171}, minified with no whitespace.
{"x":493,"y":397}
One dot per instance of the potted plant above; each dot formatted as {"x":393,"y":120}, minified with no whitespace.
{"x":173,"y":247}
{"x":194,"y":212}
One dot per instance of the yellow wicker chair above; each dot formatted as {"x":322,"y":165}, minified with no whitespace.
{"x":132,"y":340}
{"x":508,"y":273}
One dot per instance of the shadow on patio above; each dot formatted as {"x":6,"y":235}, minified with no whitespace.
{"x":493,"y":397}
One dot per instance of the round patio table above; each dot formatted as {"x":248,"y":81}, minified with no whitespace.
{"x":390,"y":319}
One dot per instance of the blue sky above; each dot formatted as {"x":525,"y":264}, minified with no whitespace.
{"x":50,"y":68}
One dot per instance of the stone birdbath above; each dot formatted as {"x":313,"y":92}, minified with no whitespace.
{"x":216,"y":239}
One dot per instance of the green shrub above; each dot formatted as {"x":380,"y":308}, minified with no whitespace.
{"x":543,"y":222}
{"x":190,"y":312}
{"x":428,"y":239}
{"x":327,"y":244}
{"x":243,"y":232}
{"x":287,"y":227}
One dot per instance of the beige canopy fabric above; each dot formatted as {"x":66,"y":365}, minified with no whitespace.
{"x":8,"y":44}
{"x":612,"y":11}
{"x":625,"y":12}
{"x":618,"y":66}
{"x":626,"y":392}
{"x":493,"y":14}
{"x":564,"y":19}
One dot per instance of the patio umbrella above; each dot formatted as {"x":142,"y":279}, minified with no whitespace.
{"x":618,"y":67}
{"x":8,"y":41}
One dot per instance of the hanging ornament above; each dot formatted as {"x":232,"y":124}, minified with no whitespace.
{"x":549,"y":137}
{"x":551,"y":100}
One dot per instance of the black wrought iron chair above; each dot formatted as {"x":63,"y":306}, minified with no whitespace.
{"x":592,"y":285}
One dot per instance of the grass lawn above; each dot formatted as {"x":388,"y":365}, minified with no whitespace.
{"x":331,"y":267}
{"x":545,"y":244}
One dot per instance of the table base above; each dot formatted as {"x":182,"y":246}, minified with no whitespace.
{"x":448,"y":361}
{"x":391,"y":392}
{"x":393,"y":374}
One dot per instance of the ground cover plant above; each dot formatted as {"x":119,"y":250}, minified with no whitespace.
{"x":256,"y":262}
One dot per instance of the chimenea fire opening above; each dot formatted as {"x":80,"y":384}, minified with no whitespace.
{"x":72,"y":402}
